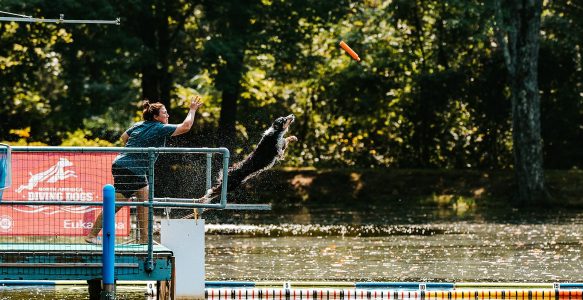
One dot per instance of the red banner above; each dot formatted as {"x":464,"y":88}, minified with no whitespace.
{"x":64,"y":177}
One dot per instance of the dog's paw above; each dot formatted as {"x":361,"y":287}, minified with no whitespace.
{"x":292,"y":138}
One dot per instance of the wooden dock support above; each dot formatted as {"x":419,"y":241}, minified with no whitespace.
{"x":94,"y":287}
{"x":164,"y":290}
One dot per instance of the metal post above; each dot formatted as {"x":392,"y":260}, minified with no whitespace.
{"x":108,"y":255}
{"x":150,"y":259}
{"x":209,"y":177}
{"x":225,"y":176}
{"x":209,"y":164}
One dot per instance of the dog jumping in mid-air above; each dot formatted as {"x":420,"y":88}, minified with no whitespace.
{"x":271,"y":149}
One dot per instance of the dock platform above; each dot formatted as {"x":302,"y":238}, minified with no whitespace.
{"x":81,"y":262}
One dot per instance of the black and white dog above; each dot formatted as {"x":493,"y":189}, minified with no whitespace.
{"x":271,"y":149}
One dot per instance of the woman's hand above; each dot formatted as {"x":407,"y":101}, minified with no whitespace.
{"x":195,"y":102}
{"x":184,"y":127}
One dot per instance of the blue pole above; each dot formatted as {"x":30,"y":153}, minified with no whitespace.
{"x":3,"y":170}
{"x":108,"y":255}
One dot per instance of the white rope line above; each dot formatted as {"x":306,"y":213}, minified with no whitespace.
{"x":8,"y":13}
{"x":30,"y":19}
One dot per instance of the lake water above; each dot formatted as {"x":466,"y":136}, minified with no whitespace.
{"x":380,"y":244}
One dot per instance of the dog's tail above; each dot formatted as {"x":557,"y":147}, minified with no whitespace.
{"x":209,"y":196}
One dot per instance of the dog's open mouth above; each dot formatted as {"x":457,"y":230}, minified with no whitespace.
{"x":288,"y":120}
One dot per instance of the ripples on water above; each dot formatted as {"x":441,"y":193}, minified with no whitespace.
{"x":526,"y":248}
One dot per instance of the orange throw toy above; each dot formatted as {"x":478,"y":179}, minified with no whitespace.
{"x":349,"y":51}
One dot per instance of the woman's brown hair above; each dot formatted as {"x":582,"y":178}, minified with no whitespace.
{"x":151,"y":110}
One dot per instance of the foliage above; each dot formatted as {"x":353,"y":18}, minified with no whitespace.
{"x":80,"y":138}
{"x":30,"y":82}
{"x":430,"y":91}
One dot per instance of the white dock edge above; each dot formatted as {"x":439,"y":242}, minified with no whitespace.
{"x":186,"y":240}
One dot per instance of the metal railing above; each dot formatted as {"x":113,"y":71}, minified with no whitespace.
{"x":152,"y":201}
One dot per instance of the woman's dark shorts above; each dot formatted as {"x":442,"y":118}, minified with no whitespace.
{"x":127,"y":182}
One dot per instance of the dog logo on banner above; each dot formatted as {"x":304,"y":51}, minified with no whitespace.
{"x":52,"y":175}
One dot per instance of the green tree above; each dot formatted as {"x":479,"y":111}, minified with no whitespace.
{"x":30,"y":80}
{"x":238,"y":30}
{"x":432,"y":90}
{"x":560,"y":77}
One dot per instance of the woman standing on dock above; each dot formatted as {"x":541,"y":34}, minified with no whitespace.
{"x":130,"y":170}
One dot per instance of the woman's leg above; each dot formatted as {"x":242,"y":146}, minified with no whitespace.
{"x":142,"y":215}
{"x":98,"y":225}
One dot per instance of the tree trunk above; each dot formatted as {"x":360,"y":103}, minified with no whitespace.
{"x":229,"y":82}
{"x":155,"y":33}
{"x":150,"y":82}
{"x":163,"y":32}
{"x":519,"y":37}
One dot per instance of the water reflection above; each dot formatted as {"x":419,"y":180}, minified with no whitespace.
{"x":529,"y":247}
{"x":66,"y":293}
